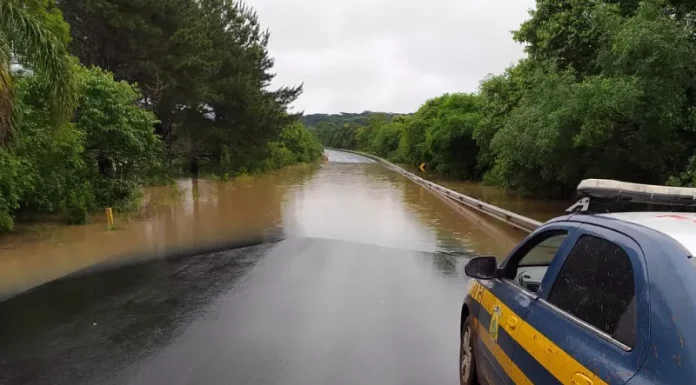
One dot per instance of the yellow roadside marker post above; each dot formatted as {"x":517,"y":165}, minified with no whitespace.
{"x":109,"y":217}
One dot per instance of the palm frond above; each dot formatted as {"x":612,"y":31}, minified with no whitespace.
{"x":6,"y":91}
{"x":39,"y":49}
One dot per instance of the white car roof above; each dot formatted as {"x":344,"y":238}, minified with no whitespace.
{"x":680,"y":226}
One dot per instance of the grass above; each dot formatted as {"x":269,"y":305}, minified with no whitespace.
{"x":114,"y":227}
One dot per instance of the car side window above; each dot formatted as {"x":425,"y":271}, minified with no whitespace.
{"x":596,"y":285}
{"x":528,"y":269}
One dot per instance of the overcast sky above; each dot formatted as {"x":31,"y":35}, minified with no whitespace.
{"x":388,"y":55}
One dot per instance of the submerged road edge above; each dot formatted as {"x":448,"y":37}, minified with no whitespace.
{"x":515,"y":220}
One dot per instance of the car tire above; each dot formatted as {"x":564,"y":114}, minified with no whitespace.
{"x":467,"y":362}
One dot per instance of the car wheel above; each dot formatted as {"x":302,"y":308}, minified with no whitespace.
{"x":467,"y":364}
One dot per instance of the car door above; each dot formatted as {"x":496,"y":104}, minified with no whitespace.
{"x":504,"y":301}
{"x":589,"y":325}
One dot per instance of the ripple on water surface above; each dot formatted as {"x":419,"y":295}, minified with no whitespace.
{"x":356,"y":202}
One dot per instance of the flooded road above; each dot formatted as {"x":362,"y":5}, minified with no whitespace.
{"x":356,"y":278}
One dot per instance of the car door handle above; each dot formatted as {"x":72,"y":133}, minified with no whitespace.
{"x":581,"y":379}
{"x":512,"y":322}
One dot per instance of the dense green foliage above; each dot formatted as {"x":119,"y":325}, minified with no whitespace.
{"x":607,"y":91}
{"x":98,"y":160}
{"x":344,"y":117}
{"x":163,"y":87}
{"x":615,"y":101}
{"x":203,"y":68}
{"x":295,"y":145}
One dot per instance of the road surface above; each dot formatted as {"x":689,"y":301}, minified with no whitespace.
{"x":364,"y":287}
{"x":346,"y":157}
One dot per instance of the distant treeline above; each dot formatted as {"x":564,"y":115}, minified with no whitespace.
{"x":607,"y":90}
{"x":344,"y":117}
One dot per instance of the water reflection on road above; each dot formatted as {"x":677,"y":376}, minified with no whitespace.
{"x":190,"y":213}
{"x":360,"y":202}
{"x":369,"y":204}
{"x":364,"y":287}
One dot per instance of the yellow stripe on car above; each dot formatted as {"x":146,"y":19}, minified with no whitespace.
{"x":554,"y":359}
{"x":503,"y":360}
{"x":559,"y":363}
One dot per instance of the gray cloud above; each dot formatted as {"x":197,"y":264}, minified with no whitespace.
{"x":388,"y":55}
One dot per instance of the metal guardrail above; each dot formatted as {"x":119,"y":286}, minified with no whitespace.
{"x":515,"y":220}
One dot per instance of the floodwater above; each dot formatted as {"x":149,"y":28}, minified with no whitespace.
{"x":351,"y":198}
{"x":349,"y":274}
{"x":539,"y":209}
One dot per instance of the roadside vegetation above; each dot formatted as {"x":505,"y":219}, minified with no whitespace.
{"x":607,"y":90}
{"x":100,"y":97}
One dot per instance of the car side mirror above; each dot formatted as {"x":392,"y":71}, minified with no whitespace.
{"x":482,"y":267}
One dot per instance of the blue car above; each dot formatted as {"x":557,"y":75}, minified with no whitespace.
{"x":590,"y":298}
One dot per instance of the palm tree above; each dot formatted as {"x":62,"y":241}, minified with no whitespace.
{"x":27,"y":39}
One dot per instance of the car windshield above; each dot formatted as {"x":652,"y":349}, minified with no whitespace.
{"x":543,"y":253}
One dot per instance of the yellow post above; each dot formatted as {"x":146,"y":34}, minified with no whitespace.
{"x":109,"y":216}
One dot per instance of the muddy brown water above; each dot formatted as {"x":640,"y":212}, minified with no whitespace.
{"x":348,"y":199}
{"x":539,"y":209}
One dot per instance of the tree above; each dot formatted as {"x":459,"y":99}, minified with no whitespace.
{"x":163,"y":46}
{"x":568,"y":32}
{"x":33,"y":33}
{"x":387,"y":139}
{"x":361,"y":118}
{"x":343,"y":136}
{"x":203,"y":75}
{"x":98,"y":160}
{"x":120,"y":147}
{"x":450,"y":142}
{"x":638,"y":104}
{"x":500,"y":94}
{"x":202,"y":66}
{"x":246,"y":113}
{"x":413,"y":146}
{"x":295,"y":145}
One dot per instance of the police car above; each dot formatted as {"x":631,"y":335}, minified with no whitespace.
{"x":591,"y":298}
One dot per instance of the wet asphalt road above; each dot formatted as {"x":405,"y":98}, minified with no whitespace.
{"x":308,"y":309}
{"x":346,"y":157}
